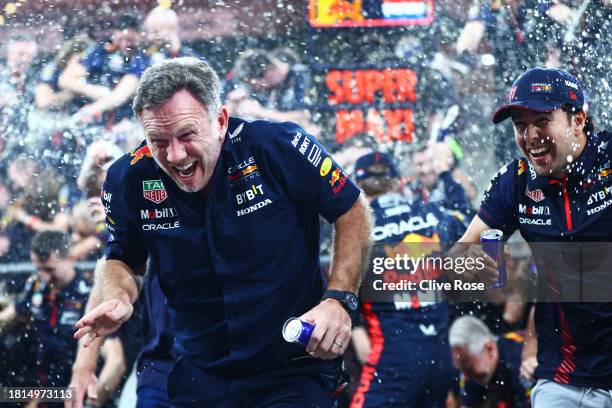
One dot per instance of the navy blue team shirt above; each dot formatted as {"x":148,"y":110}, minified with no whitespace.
{"x":574,"y":338}
{"x":52,"y":320}
{"x":236,"y":265}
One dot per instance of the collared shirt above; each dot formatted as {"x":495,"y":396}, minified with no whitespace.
{"x":53,"y":316}
{"x":574,"y":213}
{"x":236,"y":265}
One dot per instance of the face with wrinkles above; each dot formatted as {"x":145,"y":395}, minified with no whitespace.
{"x":549,"y":140}
{"x":184,"y":140}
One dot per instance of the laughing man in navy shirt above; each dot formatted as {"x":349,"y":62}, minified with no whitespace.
{"x":227,"y":210}
{"x":559,"y":193}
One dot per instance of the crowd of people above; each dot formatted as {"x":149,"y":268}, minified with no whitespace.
{"x":66,"y":118}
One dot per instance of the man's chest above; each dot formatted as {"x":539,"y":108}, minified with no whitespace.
{"x":582,"y":209}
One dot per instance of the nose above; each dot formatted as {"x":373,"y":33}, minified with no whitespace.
{"x":531,"y":134}
{"x":176,"y":152}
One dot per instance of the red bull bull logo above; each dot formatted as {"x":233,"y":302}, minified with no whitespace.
{"x":334,"y":177}
{"x":140,"y":153}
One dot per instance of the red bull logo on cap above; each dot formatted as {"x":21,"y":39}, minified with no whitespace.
{"x":140,"y":153}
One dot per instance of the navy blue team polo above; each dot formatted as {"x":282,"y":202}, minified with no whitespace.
{"x":574,"y":338}
{"x":235,"y":266}
{"x":52,"y":318}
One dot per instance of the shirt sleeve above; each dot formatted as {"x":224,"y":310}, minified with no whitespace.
{"x":124,"y":242}
{"x":310,"y":176}
{"x":498,"y":206}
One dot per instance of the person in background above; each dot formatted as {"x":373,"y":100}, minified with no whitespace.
{"x":108,"y":75}
{"x":403,"y":344}
{"x":53,"y":301}
{"x":162,"y":36}
{"x":16,"y":94}
{"x":49,"y":96}
{"x":272,"y":85}
{"x":435,"y":181}
{"x":489,"y":365}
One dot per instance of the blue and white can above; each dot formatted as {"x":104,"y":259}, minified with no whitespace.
{"x":492,"y":245}
{"x":297,"y":331}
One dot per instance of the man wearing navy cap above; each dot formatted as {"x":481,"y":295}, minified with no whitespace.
{"x":559,"y":193}
{"x":227,"y":211}
{"x":403,"y":345}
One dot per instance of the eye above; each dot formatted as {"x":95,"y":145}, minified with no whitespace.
{"x":187,"y":135}
{"x":542,"y":123}
{"x":159,"y":143}
{"x":520,"y":127}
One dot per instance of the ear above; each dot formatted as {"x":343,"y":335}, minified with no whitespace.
{"x":223,"y":120}
{"x":491,"y":348}
{"x":579,"y":119}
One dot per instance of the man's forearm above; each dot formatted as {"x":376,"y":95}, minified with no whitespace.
{"x":119,"y":95}
{"x":352,"y":245}
{"x":118,"y":281}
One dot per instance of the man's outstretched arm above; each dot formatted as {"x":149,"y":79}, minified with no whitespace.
{"x":352,"y":244}
{"x":118,"y":290}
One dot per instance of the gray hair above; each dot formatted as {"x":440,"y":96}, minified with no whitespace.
{"x":470,"y":332}
{"x":162,"y":80}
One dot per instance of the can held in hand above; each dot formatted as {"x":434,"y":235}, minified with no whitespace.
{"x":492,"y":244}
{"x":297,"y":331}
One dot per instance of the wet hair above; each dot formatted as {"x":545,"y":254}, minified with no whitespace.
{"x":252,"y":63}
{"x":45,"y":243}
{"x":589,"y":124}
{"x":161,"y":81}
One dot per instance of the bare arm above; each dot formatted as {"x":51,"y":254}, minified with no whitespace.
{"x":46,"y":98}
{"x":352,"y":245}
{"x":74,"y":79}
{"x":119,"y":95}
{"x":112,"y":371}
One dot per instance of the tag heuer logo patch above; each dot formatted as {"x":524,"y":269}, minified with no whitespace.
{"x":535,"y":195}
{"x":153,"y":190}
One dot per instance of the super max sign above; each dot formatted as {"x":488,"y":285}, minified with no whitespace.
{"x":377,"y":101}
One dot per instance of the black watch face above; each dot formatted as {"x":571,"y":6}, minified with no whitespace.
{"x":351,"y":301}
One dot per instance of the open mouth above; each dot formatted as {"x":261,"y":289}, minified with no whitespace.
{"x":537,"y":152}
{"x":186,"y":170}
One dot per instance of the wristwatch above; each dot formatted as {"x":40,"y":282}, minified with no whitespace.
{"x":347,"y":299}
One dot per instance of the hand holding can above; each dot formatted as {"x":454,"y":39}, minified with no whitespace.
{"x":297,"y":331}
